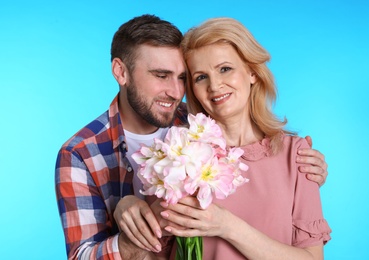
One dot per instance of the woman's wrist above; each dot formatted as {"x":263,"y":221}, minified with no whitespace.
{"x":227,"y":230}
{"x":234,"y":227}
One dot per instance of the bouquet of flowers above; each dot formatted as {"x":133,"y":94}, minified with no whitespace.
{"x":190,"y":161}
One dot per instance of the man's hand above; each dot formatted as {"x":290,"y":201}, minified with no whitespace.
{"x":128,"y":250}
{"x":317,"y":170}
{"x":138,"y":223}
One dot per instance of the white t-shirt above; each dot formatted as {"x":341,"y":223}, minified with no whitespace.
{"x":134,"y":142}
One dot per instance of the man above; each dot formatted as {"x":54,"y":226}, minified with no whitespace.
{"x":96,"y":185}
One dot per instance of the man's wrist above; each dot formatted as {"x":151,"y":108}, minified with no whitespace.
{"x":129,"y":250}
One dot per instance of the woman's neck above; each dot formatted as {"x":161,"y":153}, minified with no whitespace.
{"x":240,"y":132}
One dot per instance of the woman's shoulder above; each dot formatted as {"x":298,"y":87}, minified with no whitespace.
{"x":262,"y":148}
{"x":257,"y":150}
{"x":295,"y":141}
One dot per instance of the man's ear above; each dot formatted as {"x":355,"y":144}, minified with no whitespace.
{"x":119,"y":71}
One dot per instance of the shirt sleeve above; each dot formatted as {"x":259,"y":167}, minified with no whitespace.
{"x":309,"y":226}
{"x":84,"y":215}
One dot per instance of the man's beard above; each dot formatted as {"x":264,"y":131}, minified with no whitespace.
{"x":142,"y":108}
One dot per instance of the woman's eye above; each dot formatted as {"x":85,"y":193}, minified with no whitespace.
{"x":199,"y":78}
{"x":225,"y":69}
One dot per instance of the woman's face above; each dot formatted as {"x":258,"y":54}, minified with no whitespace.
{"x":221,"y":81}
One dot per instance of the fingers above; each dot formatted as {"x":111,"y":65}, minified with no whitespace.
{"x":183,"y":232}
{"x":314,"y":166}
{"x":315,"y":174}
{"x":151,"y":220}
{"x":179,"y":219}
{"x":180,"y":225}
{"x":190,"y":201}
{"x":140,"y":226}
{"x":311,"y":153}
{"x":313,"y":157}
{"x":186,"y":219}
{"x":137,"y":221}
{"x":320,"y":179}
{"x":180,"y":214}
{"x":309,"y":140}
{"x":188,"y":207}
{"x":137,"y":241}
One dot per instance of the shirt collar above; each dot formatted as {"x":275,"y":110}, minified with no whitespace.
{"x":116,"y":127}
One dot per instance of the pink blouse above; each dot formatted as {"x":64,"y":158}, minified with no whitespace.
{"x":278,"y":200}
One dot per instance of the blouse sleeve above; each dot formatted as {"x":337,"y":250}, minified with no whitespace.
{"x":309,"y":226}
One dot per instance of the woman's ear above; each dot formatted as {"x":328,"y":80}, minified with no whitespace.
{"x":119,"y":71}
{"x":253,"y":77}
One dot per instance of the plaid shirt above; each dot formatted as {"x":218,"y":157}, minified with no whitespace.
{"x":92,"y":174}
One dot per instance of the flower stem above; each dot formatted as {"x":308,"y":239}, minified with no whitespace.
{"x":189,"y":248}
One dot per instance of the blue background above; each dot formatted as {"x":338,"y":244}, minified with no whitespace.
{"x":55,"y":77}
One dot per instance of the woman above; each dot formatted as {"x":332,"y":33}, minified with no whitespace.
{"x":277,"y":215}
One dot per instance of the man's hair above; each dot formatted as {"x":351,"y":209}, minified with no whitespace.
{"x":144,"y":29}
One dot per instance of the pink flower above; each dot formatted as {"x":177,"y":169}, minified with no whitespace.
{"x":238,"y":168}
{"x":191,"y":161}
{"x":205,"y":129}
{"x":214,"y":178}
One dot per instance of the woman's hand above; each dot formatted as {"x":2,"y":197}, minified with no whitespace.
{"x":190,"y":220}
{"x":216,"y":221}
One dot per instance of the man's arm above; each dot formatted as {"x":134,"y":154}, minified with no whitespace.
{"x":316,"y":168}
{"x":87,"y":222}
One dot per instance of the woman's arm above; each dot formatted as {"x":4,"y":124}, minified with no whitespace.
{"x":217,"y":221}
{"x":255,"y":245}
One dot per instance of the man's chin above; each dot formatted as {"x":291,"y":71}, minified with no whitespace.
{"x":164,"y":124}
{"x":161,"y":120}
{"x":165,"y":120}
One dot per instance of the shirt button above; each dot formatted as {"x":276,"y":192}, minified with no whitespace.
{"x":129,"y":169}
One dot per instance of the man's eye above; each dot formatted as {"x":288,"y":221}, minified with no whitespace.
{"x":199,"y":78}
{"x":183,"y":78}
{"x":162,"y":76}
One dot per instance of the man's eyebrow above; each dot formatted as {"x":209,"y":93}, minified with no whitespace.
{"x":161,"y":71}
{"x":167,"y":72}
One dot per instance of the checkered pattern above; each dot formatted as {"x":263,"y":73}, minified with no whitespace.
{"x":92,"y":174}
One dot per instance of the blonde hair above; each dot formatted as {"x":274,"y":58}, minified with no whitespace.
{"x":263,"y":92}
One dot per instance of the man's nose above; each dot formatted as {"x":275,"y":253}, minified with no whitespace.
{"x":176,"y":89}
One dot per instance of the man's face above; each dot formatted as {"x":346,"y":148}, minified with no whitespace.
{"x":157,"y":84}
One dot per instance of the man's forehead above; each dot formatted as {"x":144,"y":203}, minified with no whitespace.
{"x":161,"y":58}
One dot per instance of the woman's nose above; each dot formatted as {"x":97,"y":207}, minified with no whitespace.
{"x":214,"y":85}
